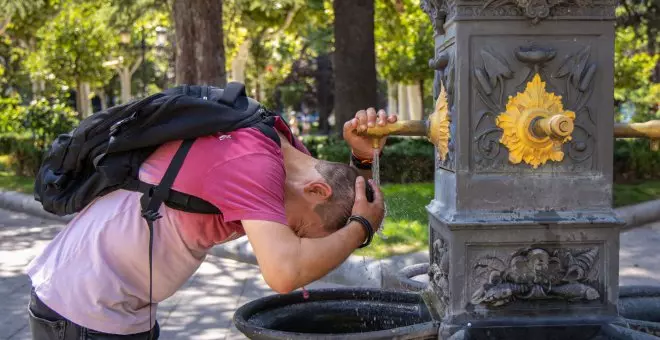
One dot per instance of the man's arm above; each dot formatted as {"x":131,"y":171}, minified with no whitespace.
{"x":288,"y":262}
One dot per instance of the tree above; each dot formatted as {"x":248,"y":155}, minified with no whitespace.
{"x":11,"y":8}
{"x":200,"y":52}
{"x":354,"y":58}
{"x":73,"y":48}
{"x":637,"y":59}
{"x":404,"y":66}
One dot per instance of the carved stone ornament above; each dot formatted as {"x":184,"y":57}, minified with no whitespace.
{"x":537,"y":9}
{"x":536,"y":273}
{"x":439,"y":274}
{"x":437,"y":12}
{"x":572,"y":77}
{"x":524,"y":113}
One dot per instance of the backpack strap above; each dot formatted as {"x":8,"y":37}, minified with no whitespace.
{"x":176,"y":199}
{"x":152,"y":201}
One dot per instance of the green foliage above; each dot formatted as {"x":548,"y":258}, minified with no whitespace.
{"x":634,"y":160}
{"x":632,"y":78}
{"x":406,"y":222}
{"x":26,"y":132}
{"x":73,"y":46}
{"x":404,"y":41}
{"x":404,"y":160}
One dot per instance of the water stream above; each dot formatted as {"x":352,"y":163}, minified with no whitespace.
{"x":375,"y":175}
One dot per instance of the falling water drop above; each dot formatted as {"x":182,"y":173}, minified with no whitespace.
{"x":375,"y":170}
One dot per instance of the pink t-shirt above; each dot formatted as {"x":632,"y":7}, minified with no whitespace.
{"x":95,"y":272}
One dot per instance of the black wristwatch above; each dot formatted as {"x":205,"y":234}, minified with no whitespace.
{"x":360,"y":164}
{"x":363,"y":164}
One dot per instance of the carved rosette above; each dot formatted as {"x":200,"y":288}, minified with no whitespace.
{"x":520,"y":115}
{"x":537,"y":274}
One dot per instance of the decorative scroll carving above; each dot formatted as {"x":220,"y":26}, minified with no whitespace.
{"x":439,"y":272}
{"x":578,"y":74}
{"x":537,"y":9}
{"x":537,"y":273}
{"x":489,"y":78}
{"x":534,"y":58}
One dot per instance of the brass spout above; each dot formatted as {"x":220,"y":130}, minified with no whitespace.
{"x":400,"y":128}
{"x":650,"y":130}
{"x":436,"y":128}
{"x":555,"y":127}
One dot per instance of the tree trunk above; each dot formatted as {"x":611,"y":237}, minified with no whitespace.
{"x":403,"y":102}
{"x":200,"y":52}
{"x":79,"y":101}
{"x":354,"y":59}
{"x":240,"y":61}
{"x":103,"y":98}
{"x":82,"y":99}
{"x":125,"y":84}
{"x":392,"y":105}
{"x":414,"y":102}
{"x":324,"y":95}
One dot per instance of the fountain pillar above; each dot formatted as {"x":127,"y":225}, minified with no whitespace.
{"x":522,"y":231}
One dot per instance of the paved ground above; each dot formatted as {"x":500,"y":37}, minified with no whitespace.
{"x":204,"y":307}
{"x":639,"y":263}
{"x":201,"y":310}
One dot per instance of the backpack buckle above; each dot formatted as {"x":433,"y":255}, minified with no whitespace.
{"x":151,"y":215}
{"x":116,"y":127}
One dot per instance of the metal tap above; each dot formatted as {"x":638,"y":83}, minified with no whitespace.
{"x":650,"y":130}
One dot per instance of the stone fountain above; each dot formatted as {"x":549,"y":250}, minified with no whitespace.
{"x":523,"y":239}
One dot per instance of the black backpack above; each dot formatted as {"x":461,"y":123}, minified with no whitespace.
{"x":105,"y":152}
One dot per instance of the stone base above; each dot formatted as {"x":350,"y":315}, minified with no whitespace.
{"x":566,"y":332}
{"x":499,"y":274}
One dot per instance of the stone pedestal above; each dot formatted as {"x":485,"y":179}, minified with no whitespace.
{"x":522,"y":228}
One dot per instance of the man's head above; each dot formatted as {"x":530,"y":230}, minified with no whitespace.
{"x":321,"y":201}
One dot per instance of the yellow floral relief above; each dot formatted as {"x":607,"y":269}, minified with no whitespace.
{"x":522,"y":111}
{"x":439,"y":133}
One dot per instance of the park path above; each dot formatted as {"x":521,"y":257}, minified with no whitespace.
{"x":203,"y":308}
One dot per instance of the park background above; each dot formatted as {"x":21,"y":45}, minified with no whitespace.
{"x":315,"y":62}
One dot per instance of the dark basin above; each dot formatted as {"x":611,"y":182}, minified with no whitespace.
{"x":337,"y":314}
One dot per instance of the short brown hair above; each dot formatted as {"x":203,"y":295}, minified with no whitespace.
{"x":337,"y":209}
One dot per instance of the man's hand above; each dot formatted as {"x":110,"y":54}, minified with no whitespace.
{"x":374,"y":211}
{"x":362,"y":146}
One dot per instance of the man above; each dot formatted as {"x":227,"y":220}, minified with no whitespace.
{"x":91,"y":281}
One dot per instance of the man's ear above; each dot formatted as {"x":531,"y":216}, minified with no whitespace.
{"x":318,"y":191}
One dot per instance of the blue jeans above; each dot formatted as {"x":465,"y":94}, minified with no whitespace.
{"x":46,"y":324}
